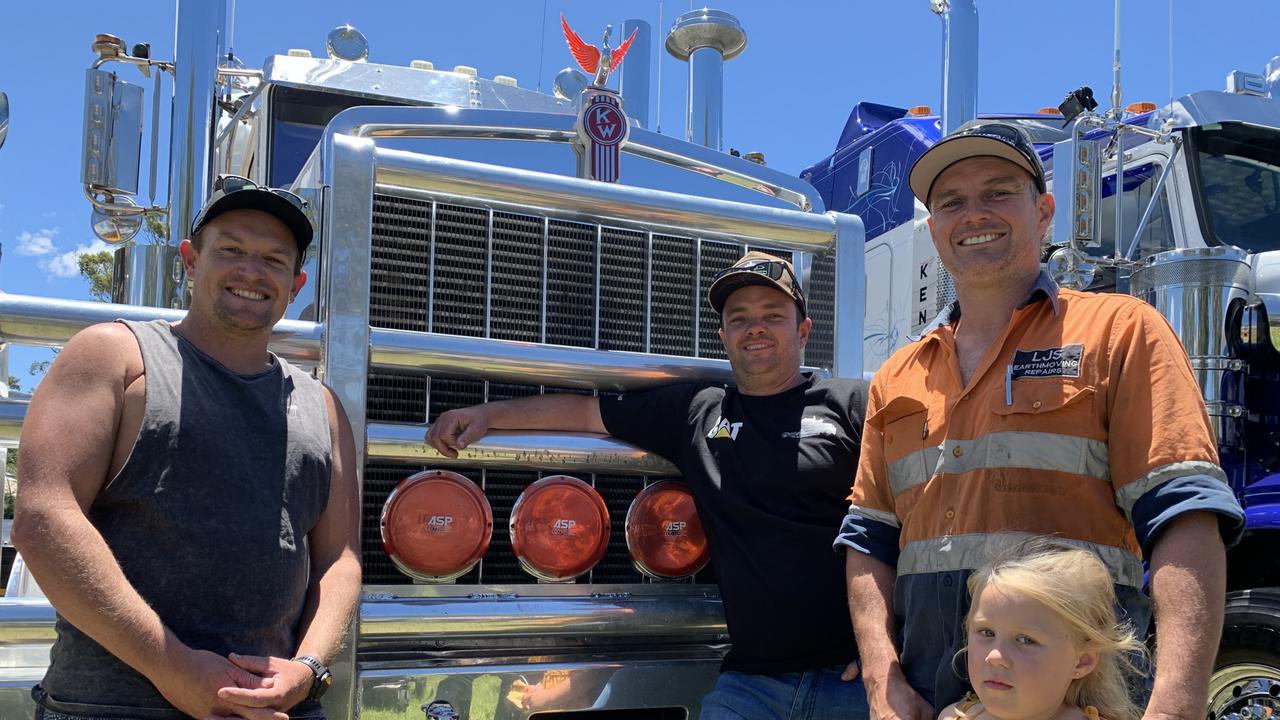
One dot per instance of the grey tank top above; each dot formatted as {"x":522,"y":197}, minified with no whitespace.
{"x":208,"y":518}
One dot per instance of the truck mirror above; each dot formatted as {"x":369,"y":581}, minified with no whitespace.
{"x":112,"y":133}
{"x":118,"y":222}
{"x":1070,"y":268}
{"x":4,"y":117}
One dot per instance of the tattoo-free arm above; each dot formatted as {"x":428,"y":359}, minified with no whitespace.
{"x":456,"y":429}
{"x":1188,"y":589}
{"x":871,"y":608}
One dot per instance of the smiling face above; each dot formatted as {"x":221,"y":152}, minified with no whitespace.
{"x":243,"y":272}
{"x":1021,"y":656}
{"x":764,"y":338}
{"x":987,"y":222}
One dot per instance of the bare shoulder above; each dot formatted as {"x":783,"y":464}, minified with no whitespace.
{"x":103,"y":352}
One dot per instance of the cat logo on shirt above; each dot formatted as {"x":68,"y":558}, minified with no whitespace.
{"x":725,"y":429}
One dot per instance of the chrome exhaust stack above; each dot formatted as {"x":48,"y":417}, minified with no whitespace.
{"x":197,"y":47}
{"x":633,"y":76}
{"x":706,"y":39}
{"x":959,"y":61}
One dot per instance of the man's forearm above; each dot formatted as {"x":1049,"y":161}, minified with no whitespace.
{"x":1188,"y":588}
{"x":331,"y":606}
{"x":82,"y":579}
{"x":557,"y":411}
{"x":870,"y":607}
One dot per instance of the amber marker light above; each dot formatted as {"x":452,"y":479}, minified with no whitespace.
{"x":559,"y":528}
{"x":919,"y":111}
{"x":1137,"y":108}
{"x":436,"y":525}
{"x":664,"y":534}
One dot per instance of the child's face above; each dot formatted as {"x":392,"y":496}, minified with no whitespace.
{"x":1021,"y":656}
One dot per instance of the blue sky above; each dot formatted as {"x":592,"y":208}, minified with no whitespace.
{"x":806,"y":64}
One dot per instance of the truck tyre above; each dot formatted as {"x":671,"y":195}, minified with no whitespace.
{"x":1245,"y":684}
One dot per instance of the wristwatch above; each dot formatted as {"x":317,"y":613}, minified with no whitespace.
{"x":323,"y":678}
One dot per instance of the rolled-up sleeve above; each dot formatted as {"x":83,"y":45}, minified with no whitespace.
{"x":872,"y":526}
{"x":1164,"y":461}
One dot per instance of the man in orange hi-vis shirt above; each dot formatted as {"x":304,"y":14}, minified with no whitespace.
{"x":1035,"y":411}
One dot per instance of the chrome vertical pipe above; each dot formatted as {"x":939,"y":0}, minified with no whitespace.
{"x":959,"y":61}
{"x":706,"y":39}
{"x":633,"y":76}
{"x":197,"y":45}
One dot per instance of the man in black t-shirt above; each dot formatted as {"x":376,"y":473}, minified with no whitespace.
{"x":769,"y":462}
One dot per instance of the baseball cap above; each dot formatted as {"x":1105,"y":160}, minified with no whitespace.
{"x":232,"y":192}
{"x":755,"y":268}
{"x":993,"y":139}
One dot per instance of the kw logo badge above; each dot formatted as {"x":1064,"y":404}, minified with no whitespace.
{"x":725,"y":429}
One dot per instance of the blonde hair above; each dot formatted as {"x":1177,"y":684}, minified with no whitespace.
{"x":1075,"y":585}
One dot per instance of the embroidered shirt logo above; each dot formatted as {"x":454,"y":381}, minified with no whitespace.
{"x":1050,"y":362}
{"x":724,"y":429}
{"x":813,"y":427}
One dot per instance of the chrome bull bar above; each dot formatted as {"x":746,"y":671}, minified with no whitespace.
{"x":402,"y":621}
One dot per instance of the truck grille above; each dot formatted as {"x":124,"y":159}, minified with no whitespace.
{"x":470,"y":271}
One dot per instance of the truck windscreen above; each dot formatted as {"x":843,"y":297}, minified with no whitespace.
{"x":1236,"y":173}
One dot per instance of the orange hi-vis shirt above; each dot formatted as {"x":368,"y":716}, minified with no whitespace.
{"x":1082,"y":421}
{"x":1084,"y":406}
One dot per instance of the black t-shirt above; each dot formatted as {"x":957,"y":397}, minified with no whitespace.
{"x":770,"y":476}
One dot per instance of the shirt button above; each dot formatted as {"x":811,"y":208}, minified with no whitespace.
{"x":957,"y":451}
{"x":1036,"y":404}
{"x":950,"y":514}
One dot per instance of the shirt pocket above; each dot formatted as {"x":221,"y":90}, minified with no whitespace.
{"x":1050,"y":425}
{"x":909,"y":457}
{"x":1044,"y":397}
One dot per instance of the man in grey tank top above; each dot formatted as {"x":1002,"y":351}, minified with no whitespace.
{"x":188,"y":499}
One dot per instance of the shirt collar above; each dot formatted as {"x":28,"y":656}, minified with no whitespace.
{"x":1044,"y":287}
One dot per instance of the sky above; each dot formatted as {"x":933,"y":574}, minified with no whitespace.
{"x":788,"y":95}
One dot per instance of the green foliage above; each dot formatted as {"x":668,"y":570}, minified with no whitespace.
{"x":96,"y":269}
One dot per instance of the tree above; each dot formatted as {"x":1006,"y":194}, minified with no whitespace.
{"x":96,"y":268}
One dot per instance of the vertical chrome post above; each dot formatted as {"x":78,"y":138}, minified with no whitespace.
{"x":850,"y":295}
{"x":959,"y":61}
{"x":633,"y":76}
{"x":346,"y":240}
{"x":706,"y":39}
{"x":197,"y":45}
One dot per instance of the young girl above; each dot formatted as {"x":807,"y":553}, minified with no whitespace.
{"x":1043,"y":642}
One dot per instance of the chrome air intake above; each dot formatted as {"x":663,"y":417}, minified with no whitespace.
{"x":1192,"y":288}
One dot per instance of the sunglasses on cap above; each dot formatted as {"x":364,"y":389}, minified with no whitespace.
{"x":227,"y":184}
{"x":772,"y":269}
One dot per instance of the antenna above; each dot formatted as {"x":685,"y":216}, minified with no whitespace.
{"x":1171,"y":52}
{"x":1115,"y":70}
{"x":231,"y":33}
{"x":542,"y":51}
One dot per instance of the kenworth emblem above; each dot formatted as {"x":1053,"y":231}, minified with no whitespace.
{"x":602,"y":128}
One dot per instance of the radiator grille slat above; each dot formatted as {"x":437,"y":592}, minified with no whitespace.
{"x":527,"y":264}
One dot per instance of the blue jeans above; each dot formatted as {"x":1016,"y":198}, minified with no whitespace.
{"x":809,"y":695}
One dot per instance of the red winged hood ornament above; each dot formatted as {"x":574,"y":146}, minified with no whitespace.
{"x":599,"y":61}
